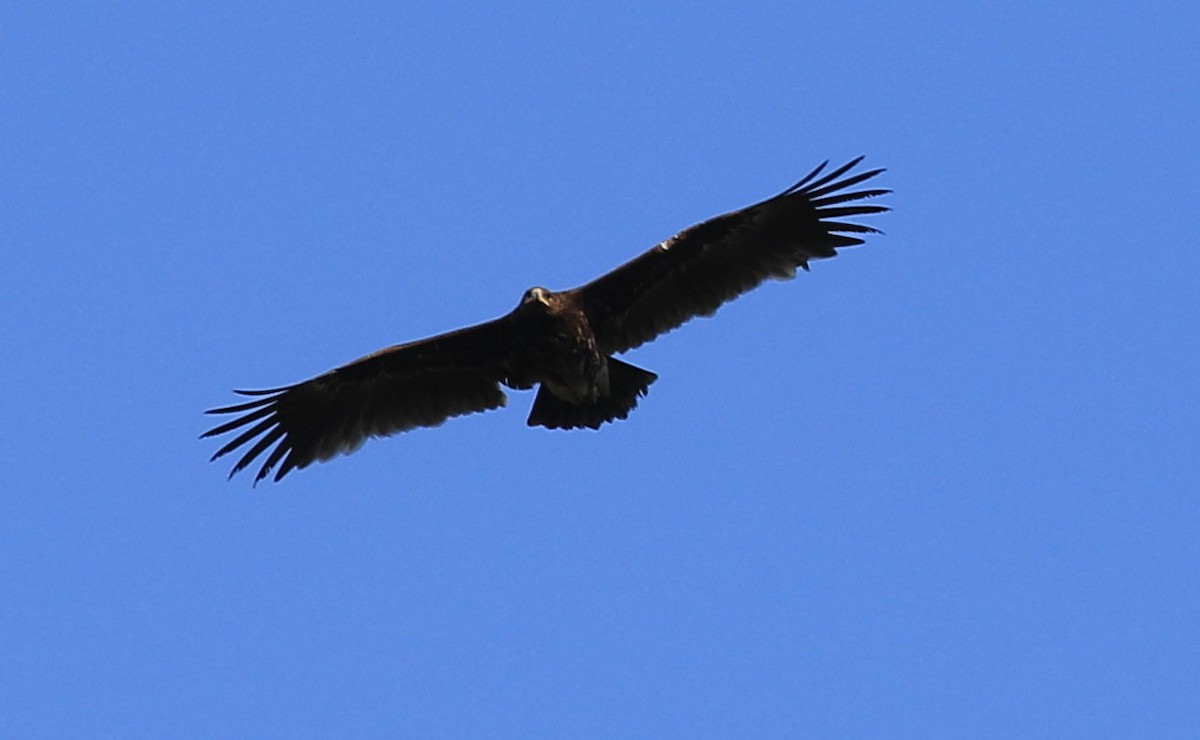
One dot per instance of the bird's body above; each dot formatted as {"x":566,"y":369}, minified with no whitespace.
{"x":562,"y":342}
{"x":556,"y":342}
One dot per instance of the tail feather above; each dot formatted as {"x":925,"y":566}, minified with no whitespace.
{"x":626,"y":384}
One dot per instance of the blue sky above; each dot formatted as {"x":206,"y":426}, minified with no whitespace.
{"x":945,"y":485}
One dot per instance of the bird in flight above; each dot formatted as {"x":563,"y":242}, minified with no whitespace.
{"x":562,"y":342}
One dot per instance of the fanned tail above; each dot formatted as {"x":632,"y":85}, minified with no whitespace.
{"x":626,"y":383}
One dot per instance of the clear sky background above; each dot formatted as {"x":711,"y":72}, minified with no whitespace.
{"x":945,"y":485}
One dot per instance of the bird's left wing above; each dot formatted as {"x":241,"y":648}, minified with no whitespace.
{"x":694,"y":272}
{"x":419,"y":384}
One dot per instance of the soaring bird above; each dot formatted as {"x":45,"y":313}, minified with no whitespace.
{"x":563,"y":342}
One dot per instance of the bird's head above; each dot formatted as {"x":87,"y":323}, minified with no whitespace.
{"x":535,"y":296}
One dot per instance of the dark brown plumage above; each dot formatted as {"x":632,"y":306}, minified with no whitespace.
{"x":562,"y":342}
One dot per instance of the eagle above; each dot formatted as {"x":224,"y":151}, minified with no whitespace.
{"x":564,"y":342}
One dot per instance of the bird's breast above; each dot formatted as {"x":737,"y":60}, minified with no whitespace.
{"x":559,"y":350}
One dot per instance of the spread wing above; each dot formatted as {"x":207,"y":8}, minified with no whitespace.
{"x":419,"y":384}
{"x":694,"y":272}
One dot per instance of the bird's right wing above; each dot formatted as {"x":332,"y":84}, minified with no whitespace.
{"x":419,"y":384}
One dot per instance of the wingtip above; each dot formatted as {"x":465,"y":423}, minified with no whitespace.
{"x":807,"y":178}
{"x":261,"y":392}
